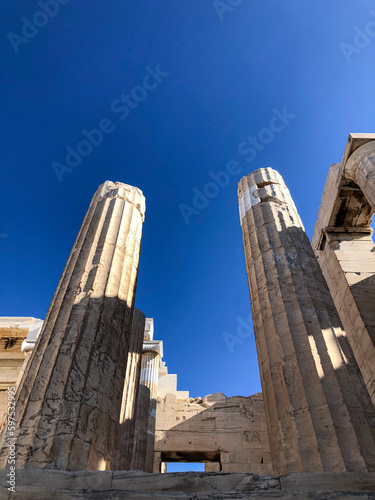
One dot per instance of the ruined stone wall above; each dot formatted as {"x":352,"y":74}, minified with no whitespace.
{"x":229,"y":433}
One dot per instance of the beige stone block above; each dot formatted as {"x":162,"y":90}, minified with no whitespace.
{"x":205,"y":426}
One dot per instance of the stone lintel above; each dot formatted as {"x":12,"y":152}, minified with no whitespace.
{"x":341,"y":230}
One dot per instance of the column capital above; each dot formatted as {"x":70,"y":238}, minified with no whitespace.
{"x":262,"y":186}
{"x":155,"y":346}
{"x":122,"y":191}
{"x":358,"y":162}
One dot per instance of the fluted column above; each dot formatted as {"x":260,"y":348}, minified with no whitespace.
{"x":150,"y":369}
{"x":139,"y":455}
{"x":69,"y":402}
{"x":130,"y":393}
{"x":317,"y":408}
{"x":152,"y":353}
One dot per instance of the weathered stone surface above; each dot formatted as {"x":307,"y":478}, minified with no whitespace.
{"x":213,"y":398}
{"x":69,"y":401}
{"x":151,"y":358}
{"x":111,"y":495}
{"x":343,"y":245}
{"x":130,"y":393}
{"x":328,"y":481}
{"x":318,"y":412}
{"x":61,"y":485}
{"x":230,"y":432}
{"x":138,"y":459}
{"x":37,"y":478}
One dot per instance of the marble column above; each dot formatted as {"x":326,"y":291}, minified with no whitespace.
{"x":68,"y":404}
{"x":130,"y":393}
{"x":152,"y":354}
{"x":318,"y":410}
{"x":139,"y":455}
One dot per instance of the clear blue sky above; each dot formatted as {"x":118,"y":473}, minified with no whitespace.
{"x":221,"y":73}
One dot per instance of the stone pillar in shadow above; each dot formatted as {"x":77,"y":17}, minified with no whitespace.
{"x":145,"y":423}
{"x":152,"y":354}
{"x":130,"y":393}
{"x":138,"y":459}
{"x":68,"y":404}
{"x":317,"y":408}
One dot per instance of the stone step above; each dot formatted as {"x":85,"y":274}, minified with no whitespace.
{"x":43,"y":484}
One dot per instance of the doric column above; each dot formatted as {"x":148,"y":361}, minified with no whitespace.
{"x":150,"y":366}
{"x":130,"y":393}
{"x":139,"y":455}
{"x":317,"y":408}
{"x":152,"y":354}
{"x":144,"y":436}
{"x":68,"y":405}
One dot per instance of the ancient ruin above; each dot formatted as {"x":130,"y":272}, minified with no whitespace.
{"x":304,"y":355}
{"x":99,"y":416}
{"x":70,"y":396}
